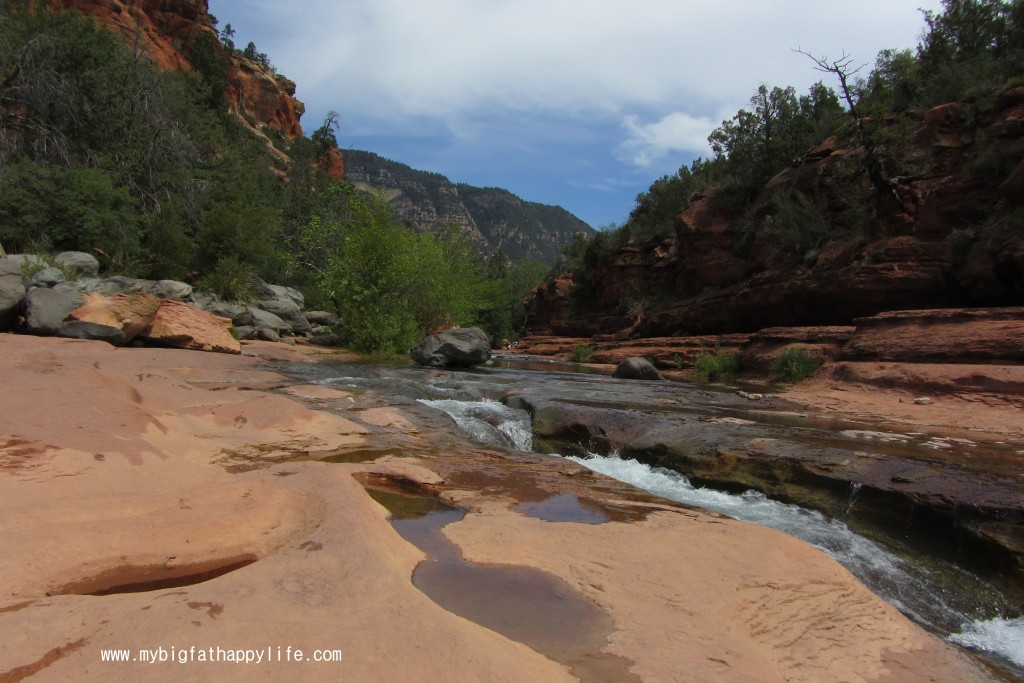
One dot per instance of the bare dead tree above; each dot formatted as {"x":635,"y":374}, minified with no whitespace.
{"x":842,"y":69}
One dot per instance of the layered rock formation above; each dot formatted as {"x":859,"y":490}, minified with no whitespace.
{"x":948,"y":236}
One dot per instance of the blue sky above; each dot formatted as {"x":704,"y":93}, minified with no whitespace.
{"x":581,"y":103}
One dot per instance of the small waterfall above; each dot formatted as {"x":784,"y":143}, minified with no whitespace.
{"x":855,"y":488}
{"x":489,"y":421}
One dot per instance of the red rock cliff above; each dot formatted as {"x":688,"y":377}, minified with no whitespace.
{"x":163,"y":30}
{"x":945,"y":239}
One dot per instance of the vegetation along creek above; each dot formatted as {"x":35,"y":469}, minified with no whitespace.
{"x":920,"y":557}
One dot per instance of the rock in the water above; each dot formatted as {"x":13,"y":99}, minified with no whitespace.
{"x":462,"y":347}
{"x":77,"y":263}
{"x":178,"y":324}
{"x":636,"y":368}
{"x":80,"y":329}
{"x":130,"y":313}
{"x":46,"y":309}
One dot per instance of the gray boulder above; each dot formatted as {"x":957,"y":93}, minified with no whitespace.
{"x":18,"y":264}
{"x":48,"y":277}
{"x":117,"y":284}
{"x":286,"y":309}
{"x":321,"y":318}
{"x":258,"y":318}
{"x":46,"y":309}
{"x":462,"y":347}
{"x":325,"y":340}
{"x":224,"y":309}
{"x":268,"y":334}
{"x":80,"y":329}
{"x":168,"y":289}
{"x":278,"y":292}
{"x":77,"y":264}
{"x":243,"y":332}
{"x":636,"y":368}
{"x":12,"y":294}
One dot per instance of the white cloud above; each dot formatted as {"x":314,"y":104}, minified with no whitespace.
{"x":678,"y":133}
{"x":448,"y":58}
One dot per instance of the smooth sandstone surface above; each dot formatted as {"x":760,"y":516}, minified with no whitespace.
{"x":121,"y":465}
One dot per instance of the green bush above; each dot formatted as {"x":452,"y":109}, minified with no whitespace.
{"x":231,"y":280}
{"x":794,"y":365}
{"x":581,"y":352}
{"x":718,"y":365}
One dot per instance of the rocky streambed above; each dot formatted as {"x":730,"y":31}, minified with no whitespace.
{"x":932,"y":520}
{"x":203,"y":504}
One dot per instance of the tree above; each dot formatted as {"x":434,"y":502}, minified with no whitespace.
{"x":842,"y":69}
{"x":324,"y":135}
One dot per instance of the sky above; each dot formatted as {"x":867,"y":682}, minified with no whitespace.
{"x":578,"y":103}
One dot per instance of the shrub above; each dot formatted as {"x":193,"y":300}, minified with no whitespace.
{"x":717,"y":365}
{"x":231,"y":280}
{"x":581,"y":352}
{"x":794,"y":365}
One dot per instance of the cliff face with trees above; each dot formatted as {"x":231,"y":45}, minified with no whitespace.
{"x":904,"y":190}
{"x":139,"y":132}
{"x":492,"y":218}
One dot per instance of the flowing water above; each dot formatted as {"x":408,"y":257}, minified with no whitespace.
{"x":937,"y":594}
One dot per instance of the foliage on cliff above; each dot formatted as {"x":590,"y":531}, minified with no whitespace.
{"x":781,"y":209}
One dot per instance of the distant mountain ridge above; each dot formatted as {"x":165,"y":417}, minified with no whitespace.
{"x":495,"y":219}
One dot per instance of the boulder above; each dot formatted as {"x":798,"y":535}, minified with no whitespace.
{"x":168,"y":289}
{"x":77,"y":264}
{"x":267,"y":334}
{"x":258,"y":318}
{"x":178,"y":324}
{"x":18,"y":264}
{"x":224,"y":309}
{"x":129,"y":313}
{"x":321,"y":318}
{"x":325,"y":340}
{"x":243,"y":332}
{"x":636,"y":368}
{"x":287,"y":310}
{"x":48,"y":277}
{"x":81,"y":329}
{"x":12,"y":293}
{"x":462,"y":347}
{"x":116,"y":284}
{"x":46,"y":309}
{"x":280,"y":293}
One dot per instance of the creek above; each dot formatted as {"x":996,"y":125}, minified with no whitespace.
{"x":939,"y":580}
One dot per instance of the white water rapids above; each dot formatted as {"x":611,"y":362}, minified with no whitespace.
{"x":910,"y":588}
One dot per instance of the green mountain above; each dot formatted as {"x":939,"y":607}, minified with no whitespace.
{"x":493,"y":218}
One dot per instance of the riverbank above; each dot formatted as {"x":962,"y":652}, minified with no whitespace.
{"x":168,"y":500}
